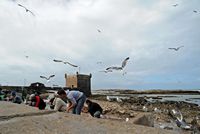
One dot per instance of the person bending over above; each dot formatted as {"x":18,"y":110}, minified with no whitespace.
{"x":37,"y":101}
{"x":76,"y":100}
{"x":15,"y":98}
{"x":58,"y":103}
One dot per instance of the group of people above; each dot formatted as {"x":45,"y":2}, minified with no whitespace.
{"x":73,"y":101}
{"x":10,"y":96}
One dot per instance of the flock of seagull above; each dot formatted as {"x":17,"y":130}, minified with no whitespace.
{"x":28,"y":10}
{"x":175,"y":5}
{"x":47,"y":78}
{"x":108,"y":69}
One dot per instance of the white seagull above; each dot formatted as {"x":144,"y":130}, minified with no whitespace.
{"x":119,"y":68}
{"x":180,"y":122}
{"x":108,"y":98}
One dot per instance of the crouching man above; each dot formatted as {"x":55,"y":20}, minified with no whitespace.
{"x":94,"y":109}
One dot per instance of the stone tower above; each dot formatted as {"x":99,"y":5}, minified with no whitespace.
{"x":79,"y":82}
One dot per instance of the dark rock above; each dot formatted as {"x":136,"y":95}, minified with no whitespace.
{"x":146,"y":120}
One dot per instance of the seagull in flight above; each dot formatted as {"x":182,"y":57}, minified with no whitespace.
{"x":119,"y":68}
{"x":175,"y":5}
{"x":176,"y":49}
{"x":47,"y":78}
{"x":194,"y":11}
{"x":65,"y":62}
{"x":99,"y":30}
{"x":27,"y":10}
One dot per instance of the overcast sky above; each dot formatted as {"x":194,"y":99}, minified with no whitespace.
{"x":68,"y":30}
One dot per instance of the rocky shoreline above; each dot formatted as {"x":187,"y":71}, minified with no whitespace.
{"x":153,"y":91}
{"x":160,"y":112}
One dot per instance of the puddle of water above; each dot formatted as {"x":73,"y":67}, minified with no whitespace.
{"x":195,"y":99}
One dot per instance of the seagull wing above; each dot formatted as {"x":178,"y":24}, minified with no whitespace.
{"x":125,"y":62}
{"x":99,"y":30}
{"x":50,"y":77}
{"x":181,"y":118}
{"x":70,"y":64}
{"x":57,"y":60}
{"x":27,"y":10}
{"x":180,"y":47}
{"x":109,"y":68}
{"x":22,"y":6}
{"x":43,"y":77}
{"x":31,"y":12}
{"x":173,"y":49}
{"x":114,"y":68}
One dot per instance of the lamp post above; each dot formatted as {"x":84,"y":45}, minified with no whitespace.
{"x":79,"y":69}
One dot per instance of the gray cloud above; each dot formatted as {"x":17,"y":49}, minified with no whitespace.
{"x":67,"y":30}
